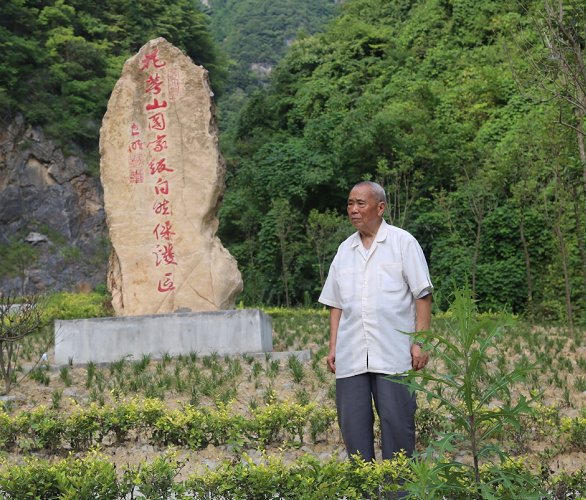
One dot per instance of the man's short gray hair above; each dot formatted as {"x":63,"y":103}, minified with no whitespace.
{"x":377,"y":191}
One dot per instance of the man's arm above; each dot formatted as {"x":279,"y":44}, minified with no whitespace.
{"x":423,"y":308}
{"x":335,"y":315}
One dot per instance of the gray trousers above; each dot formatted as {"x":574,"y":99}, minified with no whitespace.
{"x":394,"y":406}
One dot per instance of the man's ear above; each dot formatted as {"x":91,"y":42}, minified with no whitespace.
{"x":381,"y":208}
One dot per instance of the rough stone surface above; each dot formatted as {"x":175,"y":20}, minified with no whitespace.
{"x":163,"y":178}
{"x":104,"y":340}
{"x":48,"y":201}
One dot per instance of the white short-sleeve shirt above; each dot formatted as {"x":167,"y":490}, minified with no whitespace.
{"x":377,"y":294}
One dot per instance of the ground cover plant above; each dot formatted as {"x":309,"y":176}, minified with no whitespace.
{"x":273,"y":416}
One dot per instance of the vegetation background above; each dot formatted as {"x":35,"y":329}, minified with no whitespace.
{"x":428,"y":97}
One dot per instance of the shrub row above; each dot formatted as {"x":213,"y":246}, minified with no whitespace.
{"x":197,"y":427}
{"x":47,"y":429}
{"x":93,"y":477}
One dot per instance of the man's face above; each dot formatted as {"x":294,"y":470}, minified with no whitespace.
{"x":363,"y":210}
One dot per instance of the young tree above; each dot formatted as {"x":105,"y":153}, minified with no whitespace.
{"x":249,"y":224}
{"x":400,"y":184}
{"x":557,"y":66}
{"x":285,"y":225}
{"x":553,"y":194}
{"x":476,"y":198}
{"x":325,"y":231}
{"x":16,"y":260}
{"x":481,"y":201}
{"x":556,"y":71}
{"x":17,"y":320}
{"x":523,"y":194}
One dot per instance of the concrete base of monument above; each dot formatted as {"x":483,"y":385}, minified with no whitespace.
{"x":103,"y":340}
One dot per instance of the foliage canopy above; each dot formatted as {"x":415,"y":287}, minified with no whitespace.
{"x":61,"y":58}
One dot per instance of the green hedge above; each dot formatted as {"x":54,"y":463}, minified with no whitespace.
{"x":93,"y":477}
{"x":46,"y":429}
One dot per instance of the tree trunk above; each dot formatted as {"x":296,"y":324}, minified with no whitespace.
{"x":567,"y":281}
{"x":475,"y":258}
{"x":528,"y":268}
{"x":285,"y":277}
{"x":581,"y":144}
{"x":5,"y":368}
{"x":322,"y":265}
{"x":579,"y":232}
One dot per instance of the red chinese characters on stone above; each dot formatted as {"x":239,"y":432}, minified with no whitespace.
{"x":136,"y":160}
{"x":154,"y":84}
{"x":159,"y":143}
{"x":168,"y":284}
{"x":162,"y":187}
{"x":161,"y":207}
{"x":152,"y":58}
{"x":173,"y":77}
{"x":157,"y":122}
{"x":159,"y":166}
{"x":137,"y":176}
{"x":134,"y":129}
{"x":136,"y":145}
{"x":156,"y":105}
{"x":164,"y":254}
{"x":163,"y":231}
{"x":136,"y":168}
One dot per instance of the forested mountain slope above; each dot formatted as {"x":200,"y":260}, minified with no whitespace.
{"x":255,"y":35}
{"x":60,"y":61}
{"x":419,"y":95}
{"x":61,"y":58}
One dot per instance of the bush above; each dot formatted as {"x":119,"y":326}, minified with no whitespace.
{"x":76,"y":306}
{"x":575,"y":428}
{"x":44,"y":428}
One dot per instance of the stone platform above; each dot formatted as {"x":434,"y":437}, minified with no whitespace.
{"x":103,"y":340}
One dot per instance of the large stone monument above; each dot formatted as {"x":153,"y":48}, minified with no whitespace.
{"x":163,"y":178}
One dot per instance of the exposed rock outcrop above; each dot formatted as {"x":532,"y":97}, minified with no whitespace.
{"x":48,"y":201}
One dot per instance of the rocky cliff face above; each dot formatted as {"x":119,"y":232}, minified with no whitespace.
{"x":48,"y":202}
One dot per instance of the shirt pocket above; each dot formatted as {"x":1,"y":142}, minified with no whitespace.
{"x":390,"y":277}
{"x":345,"y":280}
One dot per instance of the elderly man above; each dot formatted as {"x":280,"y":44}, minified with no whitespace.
{"x":377,"y":287}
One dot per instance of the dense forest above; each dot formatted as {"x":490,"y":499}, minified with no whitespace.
{"x":468,"y":112}
{"x":442,"y":102}
{"x":61,"y":58}
{"x":255,"y":35}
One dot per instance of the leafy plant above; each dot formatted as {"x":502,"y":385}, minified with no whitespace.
{"x":56,"y":399}
{"x":463,"y":350}
{"x":39,"y":374}
{"x":157,"y":480}
{"x":296,"y":368}
{"x":256,"y":369}
{"x":18,"y":320}
{"x":576,"y":430}
{"x":65,"y":376}
{"x":91,"y":371}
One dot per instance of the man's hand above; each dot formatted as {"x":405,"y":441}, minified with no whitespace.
{"x":332,"y":359}
{"x":423,"y":307}
{"x":335,"y":315}
{"x":419,"y":358}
